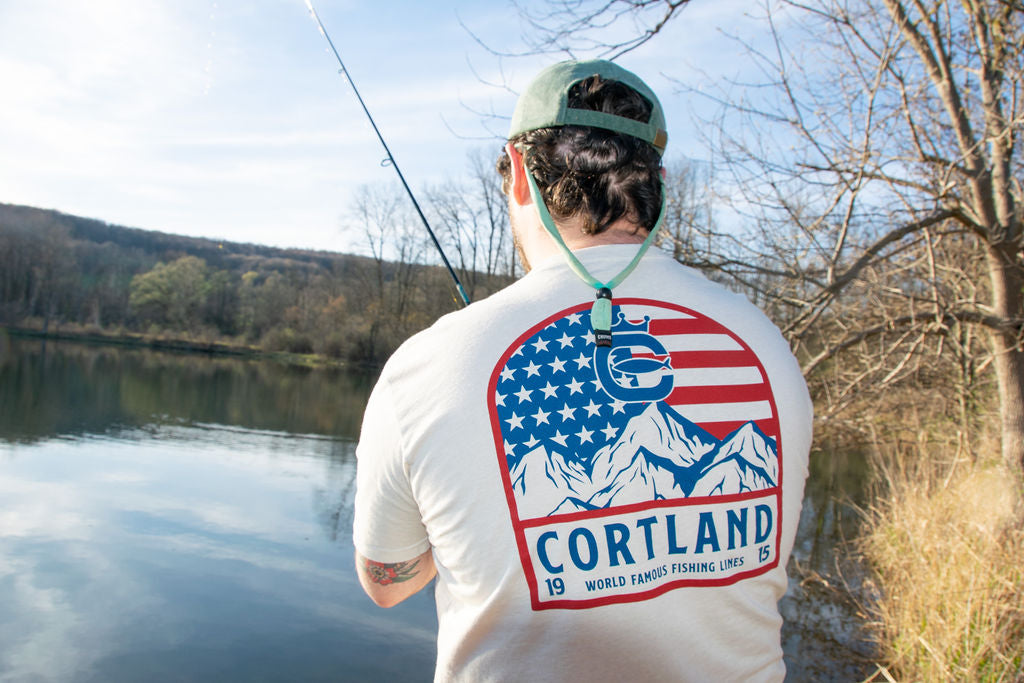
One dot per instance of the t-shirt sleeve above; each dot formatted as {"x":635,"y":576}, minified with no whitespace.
{"x":387,"y":526}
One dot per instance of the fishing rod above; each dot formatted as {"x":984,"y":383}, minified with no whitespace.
{"x":390,"y":159}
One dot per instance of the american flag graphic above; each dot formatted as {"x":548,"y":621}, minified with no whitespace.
{"x":547,"y":392}
{"x":677,"y":417}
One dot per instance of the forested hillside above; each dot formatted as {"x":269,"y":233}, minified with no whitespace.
{"x":77,"y":274}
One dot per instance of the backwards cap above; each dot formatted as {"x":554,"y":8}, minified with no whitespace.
{"x":545,"y":103}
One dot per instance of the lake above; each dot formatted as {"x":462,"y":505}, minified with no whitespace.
{"x":181,"y":517}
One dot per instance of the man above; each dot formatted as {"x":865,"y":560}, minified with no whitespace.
{"x":602,"y":463}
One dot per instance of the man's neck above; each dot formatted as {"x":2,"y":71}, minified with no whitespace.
{"x":620,"y":232}
{"x":536,"y":245}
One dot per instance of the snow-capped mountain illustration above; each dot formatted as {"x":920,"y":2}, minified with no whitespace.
{"x":654,"y":448}
{"x":745,"y":461}
{"x":545,"y":479}
{"x":659,"y":455}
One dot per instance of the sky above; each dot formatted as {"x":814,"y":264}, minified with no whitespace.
{"x":228,"y":119}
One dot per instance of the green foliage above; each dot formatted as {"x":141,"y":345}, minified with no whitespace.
{"x":171,"y":294}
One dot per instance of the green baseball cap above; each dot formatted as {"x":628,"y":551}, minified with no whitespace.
{"x":545,"y":103}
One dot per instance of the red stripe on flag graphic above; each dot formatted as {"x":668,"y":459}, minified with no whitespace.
{"x":720,"y":430}
{"x":685,"y":326}
{"x":736,"y":393}
{"x":710,"y":359}
{"x":715,"y":376}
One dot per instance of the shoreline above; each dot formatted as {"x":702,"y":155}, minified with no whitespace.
{"x":177,"y":345}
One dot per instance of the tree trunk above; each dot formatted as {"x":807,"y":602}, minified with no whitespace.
{"x":1007,"y":283}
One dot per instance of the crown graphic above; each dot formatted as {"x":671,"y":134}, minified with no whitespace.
{"x":623,"y":325}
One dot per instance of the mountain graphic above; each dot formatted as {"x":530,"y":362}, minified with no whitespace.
{"x":745,"y":461}
{"x":658,"y":448}
{"x":659,"y":455}
{"x":545,"y":479}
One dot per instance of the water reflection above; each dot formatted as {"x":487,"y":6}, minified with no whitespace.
{"x":182,"y":518}
{"x":823,"y":633}
{"x":49,"y":389}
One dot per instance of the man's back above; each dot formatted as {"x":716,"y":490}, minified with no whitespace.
{"x":594,"y":513}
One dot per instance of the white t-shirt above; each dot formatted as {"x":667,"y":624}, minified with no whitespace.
{"x":594,"y":514}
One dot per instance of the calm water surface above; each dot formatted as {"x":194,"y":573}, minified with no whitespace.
{"x":185,"y":518}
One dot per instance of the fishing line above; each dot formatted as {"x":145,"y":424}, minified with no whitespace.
{"x":390,"y":158}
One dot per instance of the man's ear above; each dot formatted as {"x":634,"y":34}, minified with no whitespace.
{"x":520,"y":190}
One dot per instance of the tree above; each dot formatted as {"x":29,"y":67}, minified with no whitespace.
{"x":263,"y":299}
{"x":397,"y":242}
{"x":872,"y":145}
{"x":171,"y":294}
{"x":220,"y":305}
{"x":37,"y":269}
{"x":472,"y":222}
{"x":574,"y":26}
{"x":904,"y":146}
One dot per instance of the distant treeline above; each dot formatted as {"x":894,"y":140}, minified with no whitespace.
{"x":62,"y":272}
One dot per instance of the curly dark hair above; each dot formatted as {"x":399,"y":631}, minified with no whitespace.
{"x":595,"y":174}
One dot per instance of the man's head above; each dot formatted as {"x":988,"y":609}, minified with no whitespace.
{"x":591,"y":134}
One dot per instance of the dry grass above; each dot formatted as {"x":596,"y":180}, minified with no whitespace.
{"x":945,"y":541}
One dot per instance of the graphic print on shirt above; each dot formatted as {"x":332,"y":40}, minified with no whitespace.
{"x":639,"y":468}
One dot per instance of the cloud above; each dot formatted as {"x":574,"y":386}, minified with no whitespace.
{"x":230,"y":120}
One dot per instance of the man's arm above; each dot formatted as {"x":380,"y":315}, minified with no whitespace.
{"x":388,"y":584}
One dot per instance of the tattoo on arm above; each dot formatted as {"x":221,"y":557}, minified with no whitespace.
{"x":388,"y":573}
